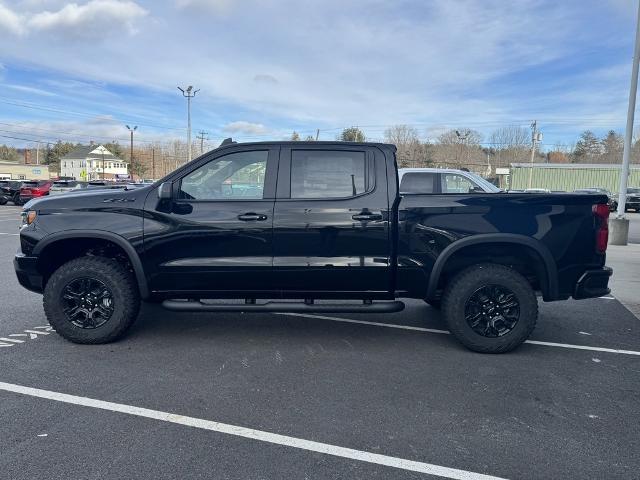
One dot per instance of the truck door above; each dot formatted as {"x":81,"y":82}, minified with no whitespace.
{"x":215,"y":235}
{"x":331,"y":222}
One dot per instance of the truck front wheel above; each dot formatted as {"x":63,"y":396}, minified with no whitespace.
{"x":91,"y":300}
{"x":490,"y":308}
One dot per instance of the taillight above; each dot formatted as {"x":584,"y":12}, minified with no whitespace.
{"x":601,"y":212}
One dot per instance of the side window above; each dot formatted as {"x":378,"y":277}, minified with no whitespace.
{"x":235,"y":176}
{"x":418,"y":182}
{"x":454,"y":183}
{"x":329,"y":174}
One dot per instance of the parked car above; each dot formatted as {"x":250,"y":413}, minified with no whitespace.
{"x":633,"y":199}
{"x":64,"y":186}
{"x":612,"y":202}
{"x":325,"y":220}
{"x":442,"y":180}
{"x":34,"y":189}
{"x":11,"y":189}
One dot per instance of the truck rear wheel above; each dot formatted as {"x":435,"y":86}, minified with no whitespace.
{"x":490,"y":308}
{"x":91,"y":300}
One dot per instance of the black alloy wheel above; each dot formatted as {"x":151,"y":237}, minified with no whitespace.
{"x":492,"y":311}
{"x":88,"y":303}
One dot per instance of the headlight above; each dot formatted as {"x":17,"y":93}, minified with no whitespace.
{"x":28,"y":217}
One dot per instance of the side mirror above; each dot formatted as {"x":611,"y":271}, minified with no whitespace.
{"x":476,"y":189}
{"x":165,"y":191}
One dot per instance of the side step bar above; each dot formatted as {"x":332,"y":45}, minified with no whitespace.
{"x":199,"y":306}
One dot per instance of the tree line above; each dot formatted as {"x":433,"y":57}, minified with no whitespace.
{"x":466,"y":147}
{"x":454,"y":148}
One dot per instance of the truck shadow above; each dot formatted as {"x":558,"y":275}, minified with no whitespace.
{"x":155,"y":321}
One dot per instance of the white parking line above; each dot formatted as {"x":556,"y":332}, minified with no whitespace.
{"x":250,"y":433}
{"x":11,"y":234}
{"x":433,"y":330}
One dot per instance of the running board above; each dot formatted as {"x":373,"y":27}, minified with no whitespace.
{"x":289,"y":307}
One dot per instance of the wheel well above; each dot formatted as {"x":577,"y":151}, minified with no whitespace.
{"x":523,"y":259}
{"x":60,"y":252}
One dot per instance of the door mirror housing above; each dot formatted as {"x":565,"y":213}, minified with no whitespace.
{"x":165,"y":191}
{"x":476,"y":189}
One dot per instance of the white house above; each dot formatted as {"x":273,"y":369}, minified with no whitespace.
{"x":93,"y":162}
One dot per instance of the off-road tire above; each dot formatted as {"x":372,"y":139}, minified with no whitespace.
{"x":463,"y":286}
{"x":121,"y":283}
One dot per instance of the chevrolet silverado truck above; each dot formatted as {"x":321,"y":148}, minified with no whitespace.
{"x":309,"y":227}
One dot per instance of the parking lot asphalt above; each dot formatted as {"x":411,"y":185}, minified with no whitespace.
{"x":396,"y":386}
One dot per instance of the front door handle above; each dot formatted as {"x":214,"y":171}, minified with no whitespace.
{"x":252,"y":217}
{"x":367,"y":217}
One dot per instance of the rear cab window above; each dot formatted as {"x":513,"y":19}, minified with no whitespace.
{"x":325,"y":174}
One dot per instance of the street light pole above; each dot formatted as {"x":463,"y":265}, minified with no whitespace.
{"x":131,"y":130}
{"x":620,"y":224}
{"x":189,"y":93}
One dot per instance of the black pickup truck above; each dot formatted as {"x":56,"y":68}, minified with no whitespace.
{"x":309,"y":227}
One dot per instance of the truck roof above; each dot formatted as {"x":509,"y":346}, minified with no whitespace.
{"x":229,"y":143}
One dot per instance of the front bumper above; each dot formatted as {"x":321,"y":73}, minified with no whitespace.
{"x":593,"y":283}
{"x":27,"y":272}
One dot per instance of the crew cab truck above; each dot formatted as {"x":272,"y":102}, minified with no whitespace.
{"x":286,"y":226}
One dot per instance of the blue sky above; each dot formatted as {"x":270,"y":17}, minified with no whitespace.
{"x":81,"y":70}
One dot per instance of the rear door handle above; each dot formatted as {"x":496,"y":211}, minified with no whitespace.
{"x":367,"y":217}
{"x":252,"y":217}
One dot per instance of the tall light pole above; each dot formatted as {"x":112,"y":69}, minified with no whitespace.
{"x":536,"y":136}
{"x":131,"y":130}
{"x":189,"y":93}
{"x":620,"y":224}
{"x":463,"y":138}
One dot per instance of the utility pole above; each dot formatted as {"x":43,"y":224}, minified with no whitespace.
{"x":189,"y":93}
{"x":463,"y":140}
{"x":536,"y":136}
{"x":317,"y":134}
{"x":153,"y":163}
{"x":131,"y":130}
{"x":202,"y":138}
{"x":620,"y":224}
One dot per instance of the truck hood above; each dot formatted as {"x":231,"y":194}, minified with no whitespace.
{"x":89,"y":198}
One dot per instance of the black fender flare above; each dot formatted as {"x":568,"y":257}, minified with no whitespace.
{"x":549,"y":285}
{"x":131,"y":252}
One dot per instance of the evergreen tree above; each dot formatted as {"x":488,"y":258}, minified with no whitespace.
{"x":352,"y":134}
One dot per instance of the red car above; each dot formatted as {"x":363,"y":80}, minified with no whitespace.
{"x":34,"y":189}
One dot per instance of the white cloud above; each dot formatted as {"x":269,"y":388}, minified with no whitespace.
{"x":91,"y":19}
{"x":245,"y":128}
{"x":215,"y":6}
{"x":33,"y":90}
{"x":304,"y":64}
{"x":10,"y":21}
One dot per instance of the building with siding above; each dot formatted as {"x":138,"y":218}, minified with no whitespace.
{"x":92,"y":162}
{"x":569,"y":176}
{"x":21,"y":171}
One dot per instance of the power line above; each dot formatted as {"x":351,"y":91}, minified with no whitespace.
{"x":115,"y":120}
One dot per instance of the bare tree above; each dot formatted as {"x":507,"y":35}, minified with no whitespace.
{"x":510,"y":137}
{"x":511,"y":144}
{"x":459,"y":148}
{"x":411,"y":153}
